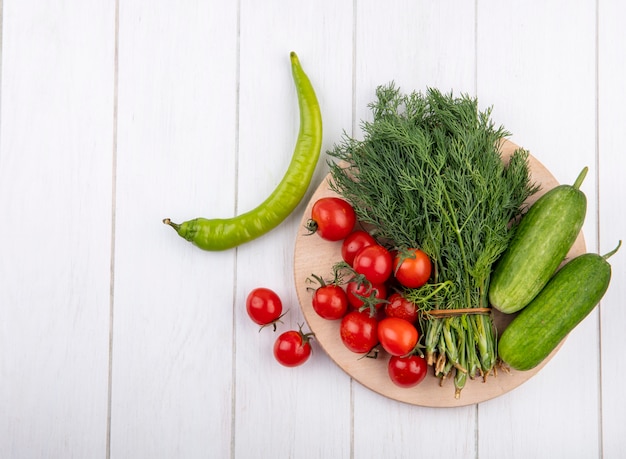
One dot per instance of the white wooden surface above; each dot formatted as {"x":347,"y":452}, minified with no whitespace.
{"x":118,"y":339}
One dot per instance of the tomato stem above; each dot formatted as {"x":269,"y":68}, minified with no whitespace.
{"x":371,"y":354}
{"x":274,"y":322}
{"x":319,"y":279}
{"x":311,"y":227}
{"x":306,"y":337}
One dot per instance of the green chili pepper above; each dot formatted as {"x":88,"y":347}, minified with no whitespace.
{"x":221,"y":234}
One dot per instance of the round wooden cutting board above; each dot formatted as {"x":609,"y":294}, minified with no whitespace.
{"x":314,"y":255}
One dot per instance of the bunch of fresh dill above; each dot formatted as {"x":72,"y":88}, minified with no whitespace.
{"x":429,"y":174}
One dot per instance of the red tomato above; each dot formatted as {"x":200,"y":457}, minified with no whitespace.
{"x":292,"y":348}
{"x":355,"y":290}
{"x":407,"y":371}
{"x":412,"y":268}
{"x":330,"y":302}
{"x":358,"y":331}
{"x":397,"y":336}
{"x":264,"y":306}
{"x":354,"y":242}
{"x":332,"y":218}
{"x":374,"y":262}
{"x":398,"y":306}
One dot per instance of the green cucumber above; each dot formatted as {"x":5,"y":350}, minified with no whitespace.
{"x":571,"y":294}
{"x":542,"y":239}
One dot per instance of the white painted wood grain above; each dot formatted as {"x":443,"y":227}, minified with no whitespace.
{"x":612,"y":221}
{"x":177,"y":129}
{"x":55,"y":198}
{"x":542,"y":85}
{"x":416,"y":45}
{"x":281,"y":412}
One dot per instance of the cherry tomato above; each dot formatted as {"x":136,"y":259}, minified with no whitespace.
{"x":398,"y":306}
{"x":355,"y":290}
{"x":358,"y":331}
{"x":332,"y":218}
{"x":292,"y":348}
{"x":412,"y":268}
{"x":354,"y":242}
{"x":264,"y":306}
{"x":374,"y":262}
{"x":407,"y":371}
{"x":330,"y":302}
{"x":397,"y":336}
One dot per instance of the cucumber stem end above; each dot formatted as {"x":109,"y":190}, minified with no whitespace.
{"x":612,"y":252}
{"x":581,"y":177}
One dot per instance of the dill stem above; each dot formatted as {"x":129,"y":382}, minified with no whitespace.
{"x":451,"y":215}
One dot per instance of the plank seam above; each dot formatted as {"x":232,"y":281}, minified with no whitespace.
{"x":233,"y":407}
{"x":354,"y":127}
{"x":113,"y":226}
{"x":597,"y":164}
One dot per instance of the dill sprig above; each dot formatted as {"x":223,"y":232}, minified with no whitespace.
{"x":429,"y":174}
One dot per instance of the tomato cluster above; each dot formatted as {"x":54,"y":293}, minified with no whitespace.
{"x":368,"y":301}
{"x":264,"y":307}
{"x":372,"y":311}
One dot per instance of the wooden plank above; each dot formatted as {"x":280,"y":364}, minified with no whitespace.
{"x":416,"y":45}
{"x":612,"y":191}
{"x":55,"y":198}
{"x":286,"y":412}
{"x":536,"y":75}
{"x":177,"y":126}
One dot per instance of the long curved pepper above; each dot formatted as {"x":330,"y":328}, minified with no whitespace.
{"x":226,"y":233}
